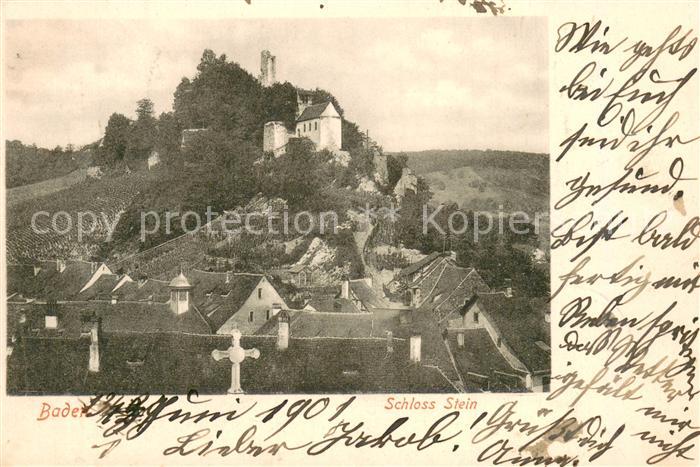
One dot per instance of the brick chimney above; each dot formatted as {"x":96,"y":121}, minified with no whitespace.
{"x":51,"y":316}
{"x":345,"y":289}
{"x":389,"y":342}
{"x":283,"y":330}
{"x":95,"y":335}
{"x":228,"y":277}
{"x":37,"y":270}
{"x":460,"y":339}
{"x":508,"y":288}
{"x":60,"y":265}
{"x":414,"y":348}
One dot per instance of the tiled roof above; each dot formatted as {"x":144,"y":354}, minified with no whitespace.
{"x":411,"y":268}
{"x":49,"y":283}
{"x":101,"y":289}
{"x":120,"y":317}
{"x":224,"y":299}
{"x":447,"y":287}
{"x":480,"y":357}
{"x":521,"y":327}
{"x":141,"y":291}
{"x":313,"y":324}
{"x":176,"y":363}
{"x":329,"y":303}
{"x":313,"y":111}
{"x":367,"y":295}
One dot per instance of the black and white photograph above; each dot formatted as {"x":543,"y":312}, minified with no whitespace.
{"x":277,"y":206}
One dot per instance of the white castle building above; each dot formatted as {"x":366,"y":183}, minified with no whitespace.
{"x":320,"y":123}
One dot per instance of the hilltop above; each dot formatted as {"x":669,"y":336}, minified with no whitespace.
{"x":146,"y":164}
{"x":485,"y":180}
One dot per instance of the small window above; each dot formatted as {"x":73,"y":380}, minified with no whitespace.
{"x":476,"y":316}
{"x":250,"y":317}
{"x":305,"y":127}
{"x":268,"y":314}
{"x":298,"y":132}
{"x":315,"y":125}
{"x":259,"y":294}
{"x":498,"y":342}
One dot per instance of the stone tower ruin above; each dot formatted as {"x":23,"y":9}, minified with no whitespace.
{"x":267,"y":68}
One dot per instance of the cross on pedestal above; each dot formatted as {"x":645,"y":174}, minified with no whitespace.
{"x":236,"y":354}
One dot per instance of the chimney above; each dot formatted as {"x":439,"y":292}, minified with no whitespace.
{"x":93,"y":267}
{"x":345,"y":289}
{"x":283,"y":330}
{"x":51,"y":321}
{"x":508,"y":288}
{"x":113,"y":300}
{"x":60,"y":265}
{"x":228,"y":277}
{"x":414,"y":346}
{"x":51,"y":316}
{"x":95,"y":331}
{"x":389,"y":342}
{"x":460,"y":339}
{"x":37,"y":270}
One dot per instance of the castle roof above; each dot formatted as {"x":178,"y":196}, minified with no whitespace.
{"x":313,"y":111}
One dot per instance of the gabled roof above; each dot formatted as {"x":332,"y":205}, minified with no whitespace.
{"x":521,"y":327}
{"x":367,"y":295}
{"x":217,"y":299}
{"x":49,"y":283}
{"x":329,"y":303}
{"x":481,"y":365}
{"x":448,"y":288}
{"x":314,"y":111}
{"x":411,"y":268}
{"x":101,"y":289}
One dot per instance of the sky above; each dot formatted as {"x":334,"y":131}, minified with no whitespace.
{"x":414,"y":83}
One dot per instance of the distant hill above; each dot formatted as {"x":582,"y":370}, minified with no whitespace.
{"x":28,"y":164}
{"x":485,"y":180}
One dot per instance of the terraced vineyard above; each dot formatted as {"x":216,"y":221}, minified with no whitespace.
{"x":56,"y":229}
{"x":164,"y":260}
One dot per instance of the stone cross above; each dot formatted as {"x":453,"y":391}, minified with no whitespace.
{"x":236,"y":354}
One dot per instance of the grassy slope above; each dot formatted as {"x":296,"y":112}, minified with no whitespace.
{"x":483,"y":180}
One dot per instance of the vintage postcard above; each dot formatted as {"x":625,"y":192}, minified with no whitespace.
{"x":348,"y":233}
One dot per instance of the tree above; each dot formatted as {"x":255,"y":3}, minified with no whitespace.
{"x":142,"y":136}
{"x":116,"y":139}
{"x":168,"y":134}
{"x":144,"y":110}
{"x":280,"y":104}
